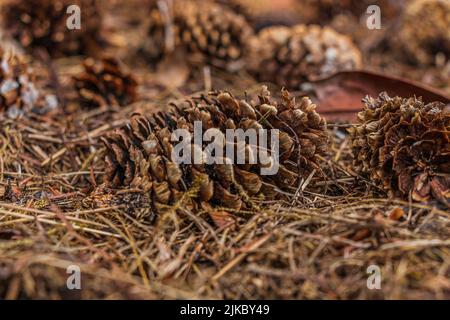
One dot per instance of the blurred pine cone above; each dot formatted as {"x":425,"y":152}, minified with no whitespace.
{"x":425,"y":30}
{"x":209,"y":33}
{"x":42,"y":24}
{"x":291,"y":56}
{"x":404,"y":144}
{"x":105,"y":83}
{"x":140,"y":155}
{"x":18,"y":92}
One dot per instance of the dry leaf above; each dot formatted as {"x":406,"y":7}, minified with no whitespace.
{"x":339,"y":97}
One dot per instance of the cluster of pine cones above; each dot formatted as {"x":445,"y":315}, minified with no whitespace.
{"x":222,"y":36}
{"x":425,"y":30}
{"x":401,"y":144}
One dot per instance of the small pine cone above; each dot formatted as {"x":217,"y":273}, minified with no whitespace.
{"x":105,"y":83}
{"x":43,"y":24}
{"x":208,"y":32}
{"x":404,"y":145}
{"x":18,"y":92}
{"x":425,"y":30}
{"x":291,"y":56}
{"x":140,"y":155}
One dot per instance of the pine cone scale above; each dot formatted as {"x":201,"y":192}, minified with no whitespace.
{"x":213,"y":35}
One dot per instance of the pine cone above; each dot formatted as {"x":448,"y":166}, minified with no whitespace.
{"x":290,"y":56}
{"x":404,"y":145}
{"x":42,"y":24}
{"x":209,"y":33}
{"x":425,"y":30}
{"x":140,"y":155}
{"x":18,"y":92}
{"x":248,"y":8}
{"x":105,"y":83}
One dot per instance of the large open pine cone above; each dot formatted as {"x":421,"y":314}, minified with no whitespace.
{"x":210,"y":33}
{"x":290,"y":56}
{"x":42,"y":24}
{"x":404,"y":144}
{"x":140,"y":155}
{"x":425,"y":30}
{"x":18,"y":91}
{"x":105,"y":83}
